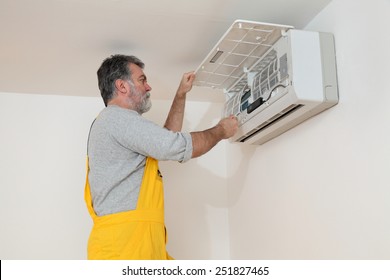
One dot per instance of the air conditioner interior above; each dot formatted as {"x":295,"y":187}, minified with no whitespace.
{"x":268,"y":76}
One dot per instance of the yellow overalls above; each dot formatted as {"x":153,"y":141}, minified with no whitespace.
{"x":132,"y":235}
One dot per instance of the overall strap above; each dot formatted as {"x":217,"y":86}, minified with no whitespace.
{"x":87,"y":190}
{"x":89,"y":134}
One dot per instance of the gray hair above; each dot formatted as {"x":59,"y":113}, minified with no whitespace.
{"x":114,"y":68}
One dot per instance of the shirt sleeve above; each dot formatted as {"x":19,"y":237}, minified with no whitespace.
{"x":143,"y":136}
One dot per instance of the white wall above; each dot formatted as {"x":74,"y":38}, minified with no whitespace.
{"x":322,"y":190}
{"x":42,"y":165}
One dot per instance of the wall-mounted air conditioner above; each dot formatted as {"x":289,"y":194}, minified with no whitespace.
{"x":274,"y":77}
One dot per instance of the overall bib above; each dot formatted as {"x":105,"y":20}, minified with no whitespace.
{"x":138,"y":234}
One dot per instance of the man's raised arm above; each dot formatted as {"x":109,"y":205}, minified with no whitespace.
{"x":175,"y":117}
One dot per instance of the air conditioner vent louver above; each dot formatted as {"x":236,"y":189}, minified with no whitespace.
{"x":271,"y":121}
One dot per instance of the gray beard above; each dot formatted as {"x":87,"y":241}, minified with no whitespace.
{"x":145,"y":105}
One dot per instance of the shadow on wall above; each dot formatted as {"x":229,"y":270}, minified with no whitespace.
{"x":197,"y":198}
{"x":193,"y":195}
{"x":238,"y":158}
{"x":188,"y":214}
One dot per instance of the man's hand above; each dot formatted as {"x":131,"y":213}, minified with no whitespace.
{"x":175,"y":117}
{"x":203,"y":141}
{"x":186,"y":83}
{"x":229,"y":126}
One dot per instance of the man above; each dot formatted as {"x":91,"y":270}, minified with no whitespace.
{"x":124,"y":191}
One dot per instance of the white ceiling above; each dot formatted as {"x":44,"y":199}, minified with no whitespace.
{"x":56,"y":46}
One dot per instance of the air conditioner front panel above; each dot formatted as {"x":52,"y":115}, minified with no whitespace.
{"x":237,"y":51}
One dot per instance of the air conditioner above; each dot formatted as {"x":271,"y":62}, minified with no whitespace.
{"x":274,"y":77}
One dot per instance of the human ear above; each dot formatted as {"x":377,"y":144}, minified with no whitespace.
{"x":120,"y":86}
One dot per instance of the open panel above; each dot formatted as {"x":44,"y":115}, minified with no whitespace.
{"x":237,"y":51}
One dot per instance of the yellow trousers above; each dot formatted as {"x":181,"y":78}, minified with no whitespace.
{"x":138,"y":234}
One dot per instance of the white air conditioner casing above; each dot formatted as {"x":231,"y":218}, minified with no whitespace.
{"x":274,"y":77}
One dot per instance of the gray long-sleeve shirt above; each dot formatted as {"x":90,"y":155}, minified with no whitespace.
{"x":119,"y":142}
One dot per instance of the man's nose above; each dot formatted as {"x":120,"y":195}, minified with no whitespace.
{"x":148,"y":87}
